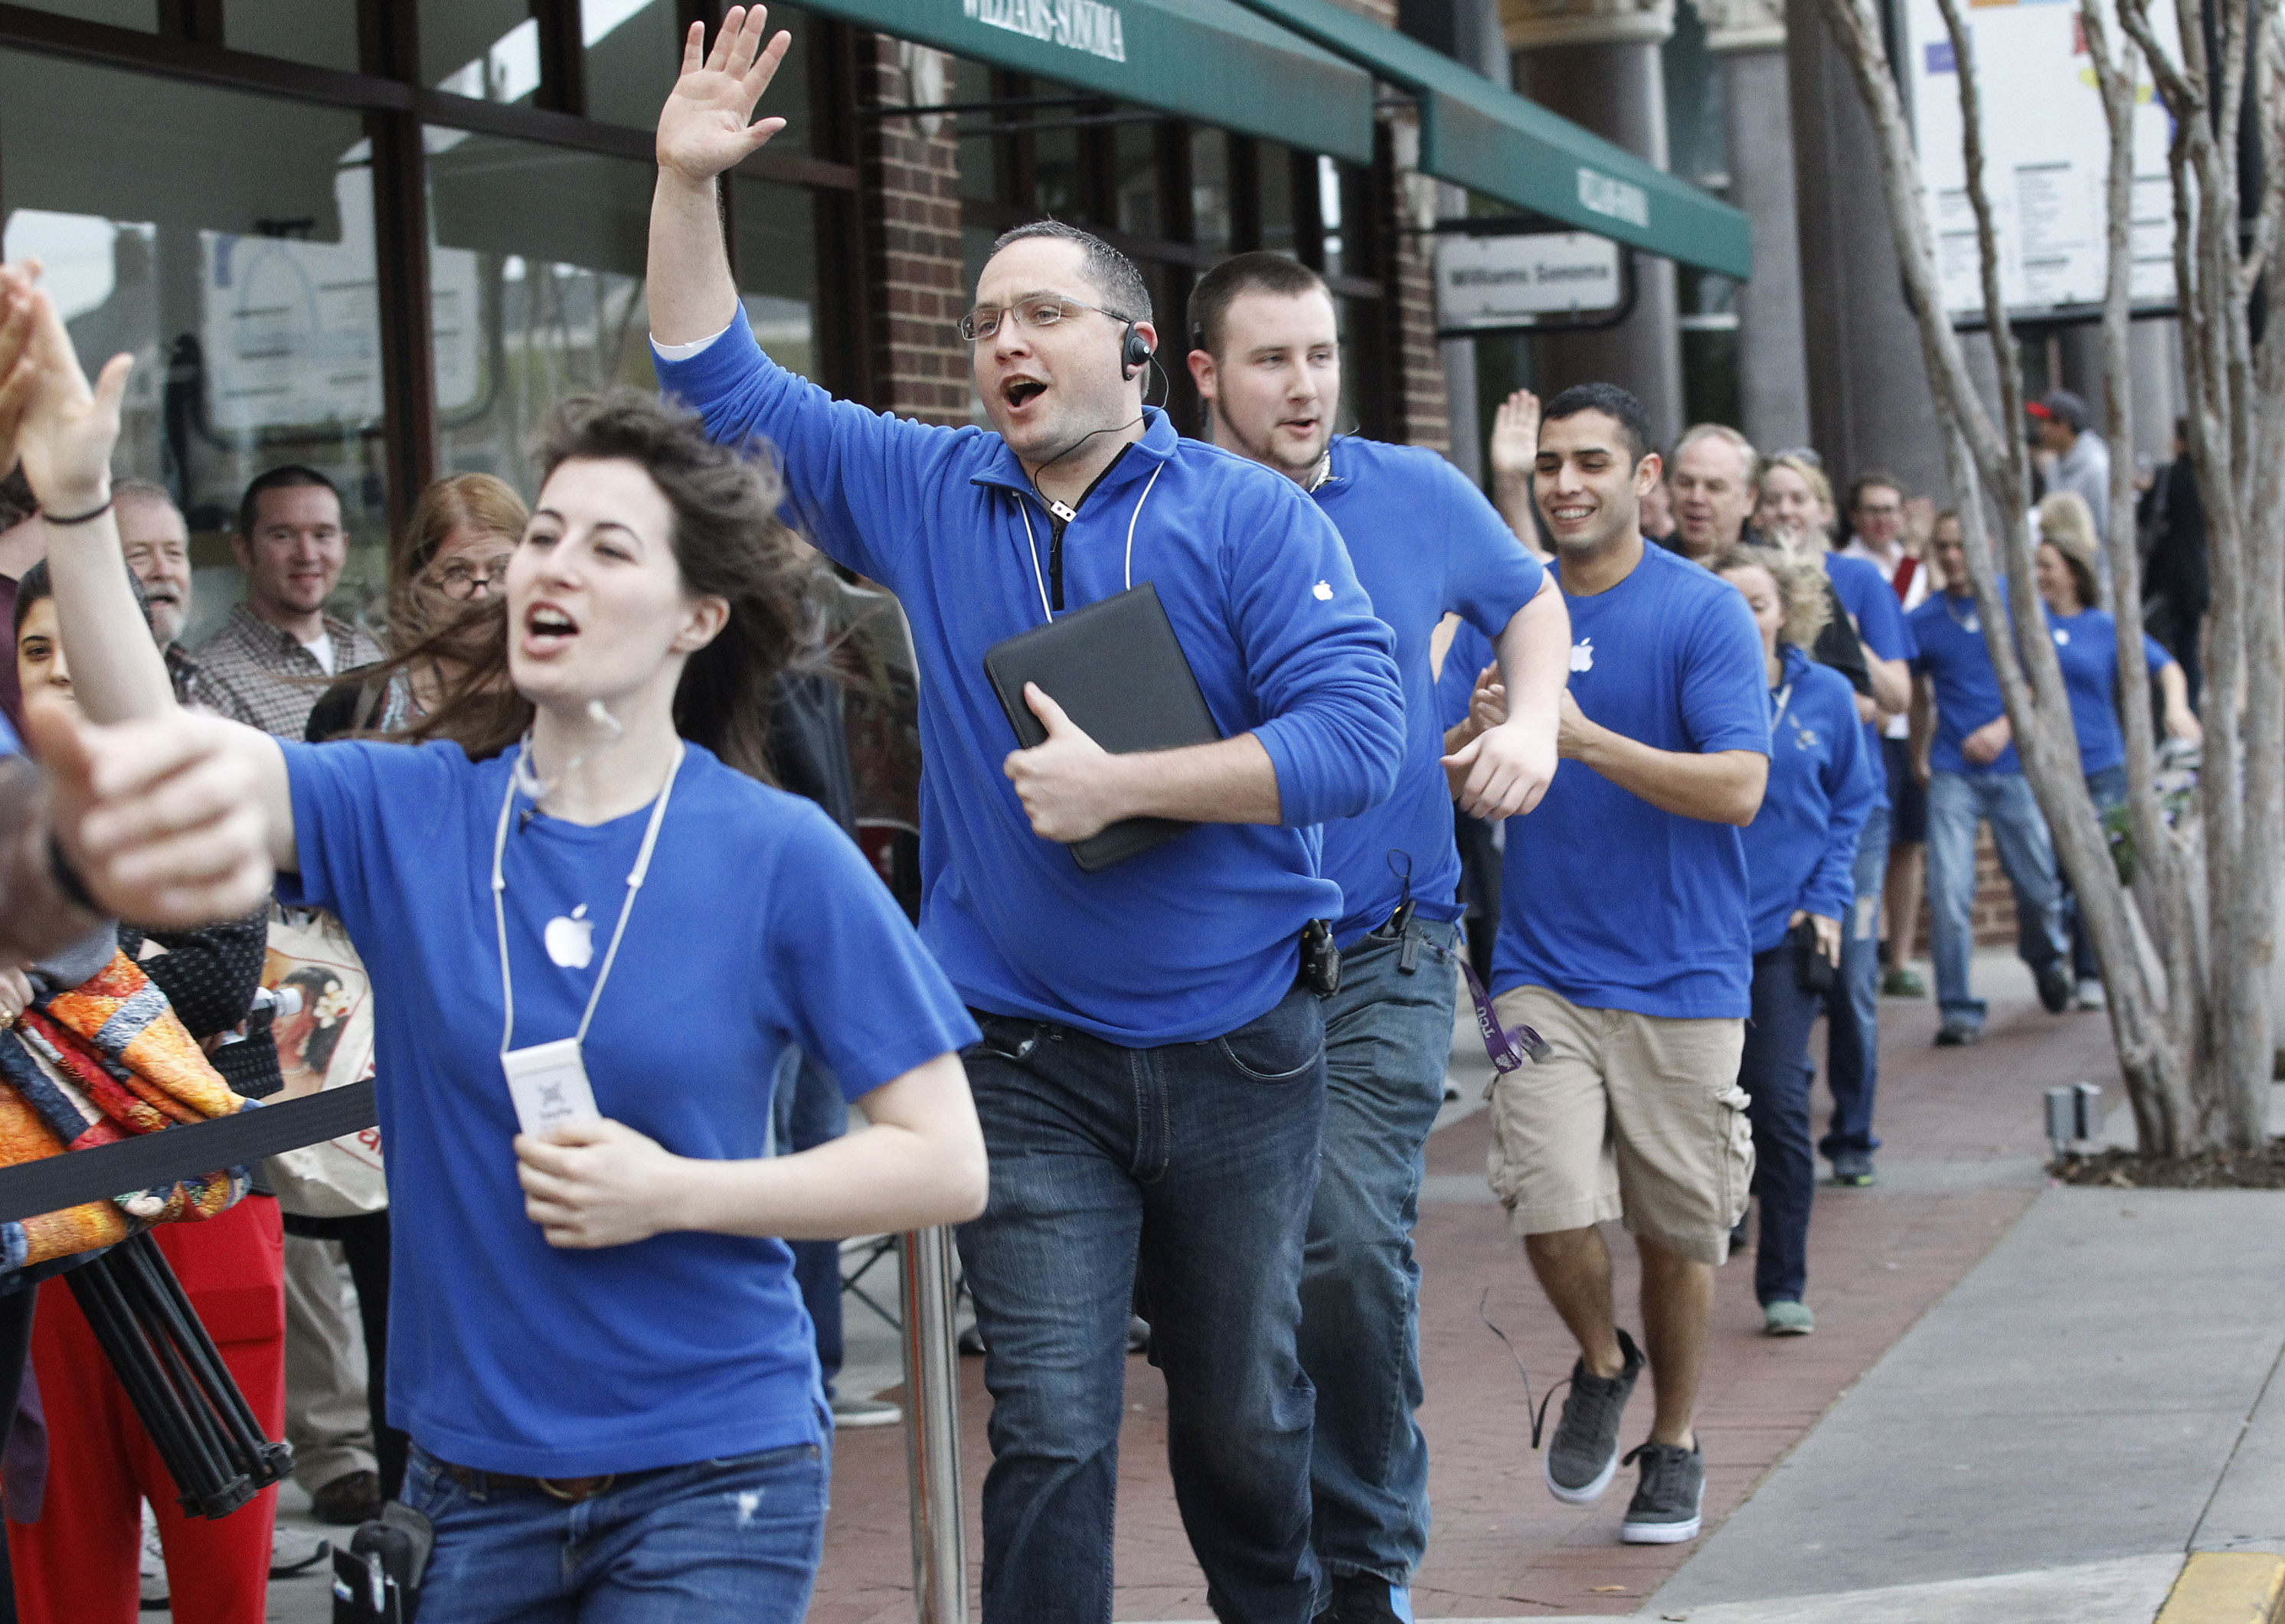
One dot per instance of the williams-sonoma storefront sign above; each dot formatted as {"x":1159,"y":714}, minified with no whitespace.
{"x":1076,"y":25}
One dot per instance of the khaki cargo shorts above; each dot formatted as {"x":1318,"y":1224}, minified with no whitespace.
{"x":1633,"y":1117}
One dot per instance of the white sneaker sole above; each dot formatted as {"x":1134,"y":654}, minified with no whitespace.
{"x":1587,"y":1495}
{"x":1665,"y":1533}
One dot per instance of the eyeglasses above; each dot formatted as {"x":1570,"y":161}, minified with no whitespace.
{"x":1039,"y":311}
{"x":463,"y":581}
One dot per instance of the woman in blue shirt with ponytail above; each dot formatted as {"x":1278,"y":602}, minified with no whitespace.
{"x":1801,"y":851}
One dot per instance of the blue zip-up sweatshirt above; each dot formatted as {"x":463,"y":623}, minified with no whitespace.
{"x":1801,"y":848}
{"x":1194,"y":939}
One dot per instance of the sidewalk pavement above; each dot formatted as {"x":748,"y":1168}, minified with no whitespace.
{"x":1962,"y":1163}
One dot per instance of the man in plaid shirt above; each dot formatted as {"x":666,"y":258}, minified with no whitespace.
{"x":266,"y":666}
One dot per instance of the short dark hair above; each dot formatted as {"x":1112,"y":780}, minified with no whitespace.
{"x":1616,"y":404}
{"x":1870,"y":478}
{"x":287,"y":476}
{"x":39,"y":582}
{"x":1125,"y":294}
{"x":1247,"y":273}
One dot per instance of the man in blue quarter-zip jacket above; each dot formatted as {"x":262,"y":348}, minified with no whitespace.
{"x":1151,"y":1078}
{"x":1266,"y":355}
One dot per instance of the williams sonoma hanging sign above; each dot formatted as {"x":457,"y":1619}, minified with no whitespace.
{"x":1077,"y":24}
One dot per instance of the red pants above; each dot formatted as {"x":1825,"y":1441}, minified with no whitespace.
{"x":78,"y":1564}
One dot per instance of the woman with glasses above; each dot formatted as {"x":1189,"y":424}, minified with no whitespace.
{"x":451,"y":555}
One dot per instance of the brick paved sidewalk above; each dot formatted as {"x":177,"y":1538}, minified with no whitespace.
{"x":1960,"y":1164}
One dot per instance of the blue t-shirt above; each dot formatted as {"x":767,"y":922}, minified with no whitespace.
{"x":1950,"y":634}
{"x":1609,"y":901}
{"x":1424,"y":542}
{"x":1201,"y":935}
{"x":760,"y":926}
{"x":2086,"y":644}
{"x":1881,"y":626}
{"x":1801,"y":848}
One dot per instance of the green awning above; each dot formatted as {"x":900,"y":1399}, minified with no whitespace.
{"x":1205,"y":60}
{"x":1476,"y":135}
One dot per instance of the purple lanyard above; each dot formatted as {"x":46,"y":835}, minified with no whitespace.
{"x":1506,"y":1048}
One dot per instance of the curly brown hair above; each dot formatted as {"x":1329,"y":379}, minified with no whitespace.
{"x":728,"y":543}
{"x":1801,"y":587}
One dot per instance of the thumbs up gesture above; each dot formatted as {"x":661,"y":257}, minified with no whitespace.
{"x":1064,"y":782}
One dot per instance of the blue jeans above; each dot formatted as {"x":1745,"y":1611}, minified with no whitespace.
{"x":1187,"y":1169}
{"x":1957,"y":803}
{"x":729,"y":1539}
{"x":1774,"y":1070}
{"x":1852,"y":1008}
{"x":2107,"y":788}
{"x":1388,"y":1037}
{"x":807,"y":1111}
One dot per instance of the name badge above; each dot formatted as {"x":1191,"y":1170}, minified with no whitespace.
{"x":549,"y":1082}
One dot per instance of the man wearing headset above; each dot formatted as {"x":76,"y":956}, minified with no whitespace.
{"x":1151,"y":1075}
{"x":1265,"y":351}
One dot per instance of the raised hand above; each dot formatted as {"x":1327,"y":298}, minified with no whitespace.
{"x":66,"y":430}
{"x":702,"y":129}
{"x":17,"y":373}
{"x":1515,"y":435}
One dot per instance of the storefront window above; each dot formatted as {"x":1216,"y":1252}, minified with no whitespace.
{"x":238,"y":272}
{"x":486,"y":50}
{"x":1275,"y":192}
{"x":1210,"y":189}
{"x":1134,"y":175}
{"x":777,"y":270}
{"x":322,"y":33}
{"x":532,"y":298}
{"x":141,"y":15}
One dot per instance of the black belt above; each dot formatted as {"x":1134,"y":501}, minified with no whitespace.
{"x":153,"y":1160}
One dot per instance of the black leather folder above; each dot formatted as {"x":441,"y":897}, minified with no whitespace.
{"x":1118,"y":671}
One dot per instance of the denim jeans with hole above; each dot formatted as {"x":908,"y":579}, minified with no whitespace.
{"x":1388,"y":1043}
{"x":1957,"y":803}
{"x":738,"y":1538}
{"x":1186,"y":1170}
{"x":1852,"y":1008}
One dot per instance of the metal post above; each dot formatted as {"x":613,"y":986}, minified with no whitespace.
{"x":933,"y":1429}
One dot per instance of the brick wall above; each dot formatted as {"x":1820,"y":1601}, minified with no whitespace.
{"x":1992,"y":917}
{"x":910,"y":198}
{"x":1424,"y":406}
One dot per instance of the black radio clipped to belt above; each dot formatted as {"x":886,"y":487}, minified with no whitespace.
{"x":377,"y":1579}
{"x":1321,"y":961}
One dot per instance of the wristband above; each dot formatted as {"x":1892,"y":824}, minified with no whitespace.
{"x":67,"y":880}
{"x":92,"y":513}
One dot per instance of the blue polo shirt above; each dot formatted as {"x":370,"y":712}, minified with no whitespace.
{"x":758,"y":926}
{"x":1949,"y":632}
{"x":1424,"y":542}
{"x":1801,"y":848}
{"x":1613,"y":903}
{"x":1881,"y":625}
{"x":1201,"y":935}
{"x":1456,"y":683}
{"x":2086,"y":644}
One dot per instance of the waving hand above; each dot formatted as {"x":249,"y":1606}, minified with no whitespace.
{"x":702,"y":129}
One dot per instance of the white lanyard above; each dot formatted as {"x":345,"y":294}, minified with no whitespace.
{"x":634,"y":884}
{"x":1032,"y":545}
{"x":1785,"y":698}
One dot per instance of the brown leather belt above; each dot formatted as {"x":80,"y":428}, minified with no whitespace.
{"x":571,"y":1491}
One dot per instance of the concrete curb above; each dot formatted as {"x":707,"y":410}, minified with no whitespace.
{"x":2233,"y":1586}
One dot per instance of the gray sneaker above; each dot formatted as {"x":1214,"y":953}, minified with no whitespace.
{"x":1582,"y":1457}
{"x":1666,"y":1505}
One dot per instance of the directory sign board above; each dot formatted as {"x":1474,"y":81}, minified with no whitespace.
{"x":1490,"y":282}
{"x":2047,"y":148}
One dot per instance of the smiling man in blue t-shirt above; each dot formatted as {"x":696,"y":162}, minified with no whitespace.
{"x":1626,"y":940}
{"x":1151,"y":1077}
{"x":1266,"y":355}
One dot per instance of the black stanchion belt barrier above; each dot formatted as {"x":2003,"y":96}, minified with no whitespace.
{"x":212,"y":1444}
{"x":108,"y":1172}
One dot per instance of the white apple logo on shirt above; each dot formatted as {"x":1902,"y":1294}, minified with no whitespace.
{"x":571,"y":942}
{"x":1583,"y":655}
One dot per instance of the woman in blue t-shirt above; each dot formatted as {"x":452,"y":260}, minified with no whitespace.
{"x":1801,"y":854}
{"x":2087,"y":645}
{"x":585,"y":917}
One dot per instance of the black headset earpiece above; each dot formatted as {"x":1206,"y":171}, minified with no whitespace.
{"x":1134,"y":352}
